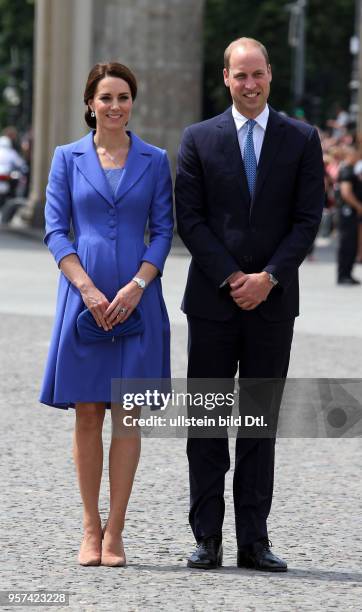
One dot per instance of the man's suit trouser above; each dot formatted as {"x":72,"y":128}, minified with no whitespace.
{"x":260,"y":349}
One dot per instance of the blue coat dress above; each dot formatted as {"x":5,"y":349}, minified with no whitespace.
{"x":109,"y":241}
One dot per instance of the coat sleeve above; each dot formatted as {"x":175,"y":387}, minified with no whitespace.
{"x":58,"y":209}
{"x":210,"y":255}
{"x":307,"y":214}
{"x":160,"y":220}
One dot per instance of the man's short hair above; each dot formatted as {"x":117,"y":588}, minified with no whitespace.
{"x":244,"y":42}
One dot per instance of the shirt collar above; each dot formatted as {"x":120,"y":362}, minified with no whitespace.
{"x":240,"y":120}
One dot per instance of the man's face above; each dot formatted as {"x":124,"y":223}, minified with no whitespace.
{"x":248,"y":79}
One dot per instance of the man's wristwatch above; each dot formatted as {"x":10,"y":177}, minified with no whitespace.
{"x":272,"y":279}
{"x":140,"y":282}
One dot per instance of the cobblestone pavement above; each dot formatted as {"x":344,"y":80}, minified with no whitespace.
{"x":315,"y":523}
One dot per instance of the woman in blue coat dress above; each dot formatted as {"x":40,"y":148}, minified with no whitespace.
{"x":109,"y":186}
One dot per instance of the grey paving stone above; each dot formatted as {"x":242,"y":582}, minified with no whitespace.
{"x":315,"y":523}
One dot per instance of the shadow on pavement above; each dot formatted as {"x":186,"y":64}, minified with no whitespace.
{"x":293,"y":573}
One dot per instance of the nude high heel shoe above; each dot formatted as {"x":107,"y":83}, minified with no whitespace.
{"x":109,"y":558}
{"x":88,"y":554}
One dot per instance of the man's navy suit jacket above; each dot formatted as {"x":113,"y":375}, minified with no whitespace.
{"x":226,"y":231}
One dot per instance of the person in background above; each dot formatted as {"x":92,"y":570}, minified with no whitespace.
{"x":10,"y":160}
{"x":12,"y":132}
{"x":359,"y":241}
{"x":350,"y":209}
{"x":339,"y":125}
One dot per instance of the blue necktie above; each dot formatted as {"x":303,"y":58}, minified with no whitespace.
{"x":249,"y":157}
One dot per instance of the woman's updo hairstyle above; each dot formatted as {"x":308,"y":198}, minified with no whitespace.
{"x":99,"y":72}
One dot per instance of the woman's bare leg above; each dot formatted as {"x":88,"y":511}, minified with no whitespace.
{"x":124,"y":455}
{"x":88,"y":458}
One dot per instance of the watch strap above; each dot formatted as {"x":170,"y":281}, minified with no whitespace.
{"x":272,"y":279}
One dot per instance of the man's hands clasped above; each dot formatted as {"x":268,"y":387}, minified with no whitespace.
{"x":249,"y":290}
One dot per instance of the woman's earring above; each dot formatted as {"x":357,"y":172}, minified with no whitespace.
{"x":93,"y":114}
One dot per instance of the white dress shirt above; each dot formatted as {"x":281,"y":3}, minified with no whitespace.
{"x":258,"y":137}
{"x":258,"y":131}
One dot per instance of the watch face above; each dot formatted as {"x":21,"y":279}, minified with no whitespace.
{"x":140,"y":282}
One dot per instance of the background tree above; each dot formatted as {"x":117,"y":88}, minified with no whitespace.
{"x":16,"y":61}
{"x":329,"y":26}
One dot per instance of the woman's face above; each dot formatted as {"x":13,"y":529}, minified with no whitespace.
{"x":112,"y":103}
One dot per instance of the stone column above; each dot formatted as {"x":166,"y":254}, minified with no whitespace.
{"x":161,"y":40}
{"x":63,"y":32}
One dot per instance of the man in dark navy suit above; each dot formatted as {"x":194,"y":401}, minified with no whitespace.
{"x":249,"y":199}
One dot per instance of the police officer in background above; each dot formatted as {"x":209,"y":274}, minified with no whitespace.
{"x":350,"y":179}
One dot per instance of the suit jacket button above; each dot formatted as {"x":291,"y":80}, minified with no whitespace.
{"x":112,"y":235}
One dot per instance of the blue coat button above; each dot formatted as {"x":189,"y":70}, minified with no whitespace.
{"x":112,"y":235}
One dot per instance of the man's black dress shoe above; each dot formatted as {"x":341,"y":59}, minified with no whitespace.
{"x":259,"y":556}
{"x":207,"y":555}
{"x":348,"y":280}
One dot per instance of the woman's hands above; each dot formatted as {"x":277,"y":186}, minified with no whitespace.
{"x":94,"y":299}
{"x":97,"y":303}
{"x":106,"y":314}
{"x":129,"y":296}
{"x":123,"y":304}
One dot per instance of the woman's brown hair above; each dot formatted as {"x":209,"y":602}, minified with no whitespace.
{"x":99,"y":72}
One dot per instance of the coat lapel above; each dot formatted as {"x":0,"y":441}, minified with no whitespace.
{"x":229,"y":144}
{"x":87,"y":161}
{"x":274,"y":134}
{"x":139,"y":157}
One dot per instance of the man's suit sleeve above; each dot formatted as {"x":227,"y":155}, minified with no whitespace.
{"x":190,"y":192}
{"x":307,"y":212}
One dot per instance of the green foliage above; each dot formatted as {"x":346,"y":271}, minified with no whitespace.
{"x":329,"y":26}
{"x":16,"y":51}
{"x":329,"y":62}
